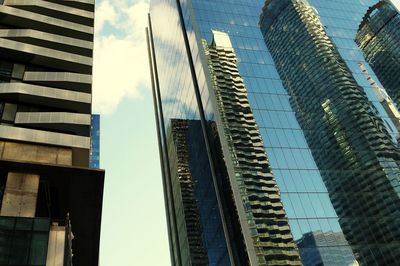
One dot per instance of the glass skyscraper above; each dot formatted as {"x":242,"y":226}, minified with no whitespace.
{"x":275,"y":147}
{"x":94,"y":160}
{"x":378,"y":37}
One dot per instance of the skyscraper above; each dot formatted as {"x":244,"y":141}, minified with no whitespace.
{"x":50,"y":200}
{"x":299,"y":157}
{"x":378,"y":37}
{"x":94,"y":161}
{"x":347,"y":138}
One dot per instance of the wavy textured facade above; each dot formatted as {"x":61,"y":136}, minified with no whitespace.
{"x":357,"y":157}
{"x":264,"y":223}
{"x":47,"y":189}
{"x":378,"y":37}
{"x":188,"y":217}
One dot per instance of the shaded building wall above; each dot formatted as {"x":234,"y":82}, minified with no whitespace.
{"x":198,"y":220}
{"x":188,"y":217}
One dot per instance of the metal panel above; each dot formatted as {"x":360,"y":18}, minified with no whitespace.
{"x":18,"y":71}
{"x":9,"y":112}
{"x":35,"y":153}
{"x":44,"y":137}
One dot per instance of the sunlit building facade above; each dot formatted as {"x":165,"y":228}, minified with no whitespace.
{"x":50,"y":199}
{"x":299,"y":155}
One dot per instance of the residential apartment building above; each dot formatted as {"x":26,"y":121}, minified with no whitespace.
{"x":50,"y":199}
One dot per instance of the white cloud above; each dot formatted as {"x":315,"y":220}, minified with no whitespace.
{"x":120,"y":55}
{"x":105,"y":12}
{"x":396,"y":3}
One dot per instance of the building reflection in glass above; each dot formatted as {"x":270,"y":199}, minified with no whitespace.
{"x":189,"y":190}
{"x":263,"y":220}
{"x":198,"y":218}
{"x":303,"y":193}
{"x":319,"y":248}
{"x":378,"y":37}
{"x":358,"y":161}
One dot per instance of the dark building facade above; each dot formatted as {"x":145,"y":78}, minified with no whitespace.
{"x":198,"y":222}
{"x":50,"y":200}
{"x":378,"y":37}
{"x":298,"y":151}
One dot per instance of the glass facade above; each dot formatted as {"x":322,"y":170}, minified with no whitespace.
{"x":349,"y":142}
{"x":24,"y":241}
{"x":266,"y":231}
{"x":333,"y":156}
{"x":177,"y":100}
{"x":94,"y":160}
{"x":198,"y":220}
{"x":378,"y":37}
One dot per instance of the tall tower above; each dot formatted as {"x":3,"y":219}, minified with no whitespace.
{"x":378,"y":37}
{"x":94,"y":160}
{"x":347,"y":139}
{"x":48,"y":193}
{"x":275,"y":150}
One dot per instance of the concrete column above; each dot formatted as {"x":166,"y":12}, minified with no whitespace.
{"x":20,"y":195}
{"x":56,"y":247}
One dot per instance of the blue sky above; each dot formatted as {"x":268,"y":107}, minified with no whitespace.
{"x":134,"y":223}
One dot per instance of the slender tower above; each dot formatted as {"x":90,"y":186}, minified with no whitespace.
{"x":378,"y":36}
